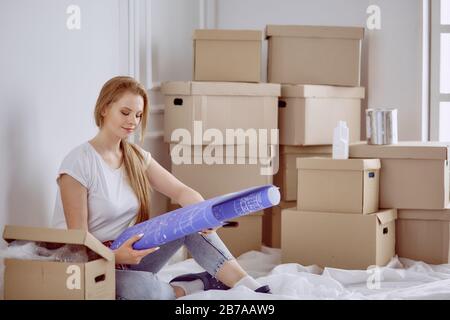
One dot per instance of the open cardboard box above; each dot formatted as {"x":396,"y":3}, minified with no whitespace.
{"x":54,"y":280}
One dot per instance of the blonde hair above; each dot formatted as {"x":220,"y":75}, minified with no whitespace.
{"x":133,"y":159}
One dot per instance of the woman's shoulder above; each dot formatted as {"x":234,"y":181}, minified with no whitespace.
{"x":146,"y":154}
{"x":81,"y":152}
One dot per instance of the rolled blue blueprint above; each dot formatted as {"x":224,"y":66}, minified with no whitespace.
{"x":210,"y":213}
{"x":252,"y":202}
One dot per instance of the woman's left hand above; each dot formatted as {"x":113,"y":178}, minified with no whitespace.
{"x":208,"y":231}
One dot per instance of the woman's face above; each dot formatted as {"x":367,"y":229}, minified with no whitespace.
{"x":123,"y":116}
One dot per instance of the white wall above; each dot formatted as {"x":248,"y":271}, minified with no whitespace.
{"x":49,"y":80}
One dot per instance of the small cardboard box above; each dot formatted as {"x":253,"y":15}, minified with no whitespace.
{"x":308,"y":114}
{"x":42,"y":280}
{"x":243,"y":234}
{"x":414,"y":174}
{"x":286,"y":177}
{"x":338,"y":240}
{"x":314,"y":55}
{"x":210,"y":178}
{"x":219,"y":106}
{"x":423,"y":235}
{"x":227,"y":55}
{"x":335,"y":185}
{"x":272,"y":224}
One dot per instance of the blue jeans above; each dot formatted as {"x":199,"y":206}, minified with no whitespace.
{"x":141,"y":282}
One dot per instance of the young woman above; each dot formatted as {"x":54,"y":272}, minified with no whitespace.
{"x":104,"y":187}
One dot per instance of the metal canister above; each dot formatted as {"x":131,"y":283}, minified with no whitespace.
{"x":381,"y":126}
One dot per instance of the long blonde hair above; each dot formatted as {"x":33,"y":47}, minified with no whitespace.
{"x":133,"y":159}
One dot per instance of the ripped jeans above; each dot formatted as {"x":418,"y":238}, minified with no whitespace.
{"x":141,"y":282}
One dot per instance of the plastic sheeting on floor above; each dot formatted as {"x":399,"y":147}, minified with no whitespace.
{"x":400,"y":279}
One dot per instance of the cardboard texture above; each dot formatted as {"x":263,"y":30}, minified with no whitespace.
{"x":42,"y":280}
{"x":211,"y":179}
{"x":414,"y":175}
{"x":338,"y":240}
{"x":245,"y":235}
{"x":350,"y":186}
{"x":272,"y":224}
{"x":227,"y":55}
{"x":302,"y":107}
{"x":314,"y":54}
{"x":220,"y":106}
{"x":423,"y":235}
{"x":286,"y":177}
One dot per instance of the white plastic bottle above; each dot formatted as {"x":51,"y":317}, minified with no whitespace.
{"x":340,"y":141}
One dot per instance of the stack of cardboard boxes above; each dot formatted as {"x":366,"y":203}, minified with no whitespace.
{"x":204,"y":117}
{"x":319,"y":69}
{"x":415,"y":180}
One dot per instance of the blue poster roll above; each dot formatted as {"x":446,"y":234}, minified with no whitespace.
{"x":210,"y":213}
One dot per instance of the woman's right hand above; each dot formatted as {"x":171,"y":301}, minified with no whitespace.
{"x":125,"y":254}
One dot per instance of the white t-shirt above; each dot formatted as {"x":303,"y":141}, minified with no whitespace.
{"x":112,"y":203}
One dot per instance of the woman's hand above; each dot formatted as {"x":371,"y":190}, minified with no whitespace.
{"x":125,"y":254}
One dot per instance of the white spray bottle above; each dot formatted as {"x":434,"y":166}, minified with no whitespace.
{"x":340,"y":141}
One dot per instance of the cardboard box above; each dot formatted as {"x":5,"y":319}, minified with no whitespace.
{"x":334,"y":185}
{"x":227,"y":55}
{"x":42,"y":280}
{"x":423,"y":235}
{"x":338,"y":240}
{"x":314,"y":55}
{"x":286,"y":177}
{"x":414,"y":175}
{"x":243,"y":235}
{"x":220,"y":106}
{"x":212,"y":179}
{"x":308,"y":114}
{"x":272,"y":224}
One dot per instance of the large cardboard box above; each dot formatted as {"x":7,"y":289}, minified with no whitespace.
{"x":338,"y":240}
{"x":338,"y":185}
{"x":314,"y":55}
{"x":227,"y":55}
{"x":272,"y":224}
{"x":308,"y":114}
{"x":414,"y":174}
{"x":286,"y":177}
{"x":423,"y":235}
{"x":219,"y":106}
{"x":42,"y":280}
{"x":212,"y":178}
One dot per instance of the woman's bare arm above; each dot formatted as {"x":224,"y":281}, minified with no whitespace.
{"x":164,"y":182}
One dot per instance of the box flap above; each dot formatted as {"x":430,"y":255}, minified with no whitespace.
{"x":386,"y":216}
{"x":402,"y":150}
{"x":220,"y":88}
{"x":314,"y":31}
{"x":284,"y":149}
{"x":320,"y":91}
{"x":71,"y":236}
{"x":223,"y":34}
{"x":416,"y":214}
{"x":316,"y":163}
